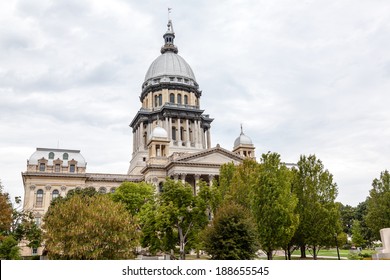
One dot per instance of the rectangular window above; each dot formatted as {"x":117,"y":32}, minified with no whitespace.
{"x":57,"y":168}
{"x":42,"y":167}
{"x":34,"y":251}
{"x":72,"y":168}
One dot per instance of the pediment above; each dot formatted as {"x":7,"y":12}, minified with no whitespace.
{"x":212,"y":156}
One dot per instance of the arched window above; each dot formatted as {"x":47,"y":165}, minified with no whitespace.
{"x":186,"y":99}
{"x":155,"y":100}
{"x":179,"y":98}
{"x":65,"y":156}
{"x":160,"y":100}
{"x":112,"y":190}
{"x":172,"y":98}
{"x":51,"y":155}
{"x":160,"y":187}
{"x":39,"y":198}
{"x":102,"y":190}
{"x":55,"y":194}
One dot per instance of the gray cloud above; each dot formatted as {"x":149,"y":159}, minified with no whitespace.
{"x":303,"y":77}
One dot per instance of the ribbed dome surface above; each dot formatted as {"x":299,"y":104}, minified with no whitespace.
{"x":169,"y":64}
{"x":242,"y":140}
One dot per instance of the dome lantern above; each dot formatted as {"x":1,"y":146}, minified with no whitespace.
{"x":169,"y":37}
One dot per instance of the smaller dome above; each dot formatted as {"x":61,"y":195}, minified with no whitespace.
{"x":53,"y":154}
{"x":242,"y":140}
{"x":159,"y":132}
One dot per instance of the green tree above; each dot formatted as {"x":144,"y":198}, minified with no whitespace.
{"x":357,"y":237}
{"x":226,"y":174}
{"x":378,"y":204}
{"x":231,"y":235}
{"x":347,"y":215}
{"x":133,"y":195}
{"x":9,"y":249}
{"x":360,"y":214}
{"x":243,"y":181}
{"x":319,"y":215}
{"x":89,"y":227}
{"x":173,"y":219}
{"x":273,"y":204}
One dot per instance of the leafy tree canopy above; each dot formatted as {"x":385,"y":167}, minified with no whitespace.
{"x":378,"y":204}
{"x":231,"y":235}
{"x":133,"y":195}
{"x":89,"y":227}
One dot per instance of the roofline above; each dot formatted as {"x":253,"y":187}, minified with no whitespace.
{"x":57,"y":150}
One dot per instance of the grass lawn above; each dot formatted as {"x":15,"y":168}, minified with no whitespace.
{"x":323,"y":254}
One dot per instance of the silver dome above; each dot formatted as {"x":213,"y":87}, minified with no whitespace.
{"x":159,"y":132}
{"x":242,"y":139}
{"x":169,"y":64}
{"x":57,"y":154}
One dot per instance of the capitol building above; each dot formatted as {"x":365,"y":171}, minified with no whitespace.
{"x":171,"y":139}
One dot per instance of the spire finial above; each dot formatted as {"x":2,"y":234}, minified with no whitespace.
{"x":242,"y":132}
{"x":169,"y":37}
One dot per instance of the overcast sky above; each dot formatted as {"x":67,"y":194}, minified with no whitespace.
{"x":304,"y":77}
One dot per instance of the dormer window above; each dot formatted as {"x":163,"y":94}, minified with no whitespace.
{"x":72,"y":168}
{"x":57,"y":168}
{"x":51,"y":155}
{"x":65,"y":156}
{"x":42,"y":166}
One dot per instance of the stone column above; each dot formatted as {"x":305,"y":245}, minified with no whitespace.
{"x":196,"y":189}
{"x":211,"y":177}
{"x":134,"y":142}
{"x":142,"y":144}
{"x":47,"y":197}
{"x":29,"y":203}
{"x":169,"y":130}
{"x":187,"y":134}
{"x":200,"y":135}
{"x":179,"y":132}
{"x":176,"y":177}
{"x":208,"y":138}
{"x":183,"y":178}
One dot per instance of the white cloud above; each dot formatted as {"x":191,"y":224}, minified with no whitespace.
{"x":302,"y":76}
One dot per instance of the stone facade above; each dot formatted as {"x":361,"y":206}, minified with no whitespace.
{"x":171,"y":138}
